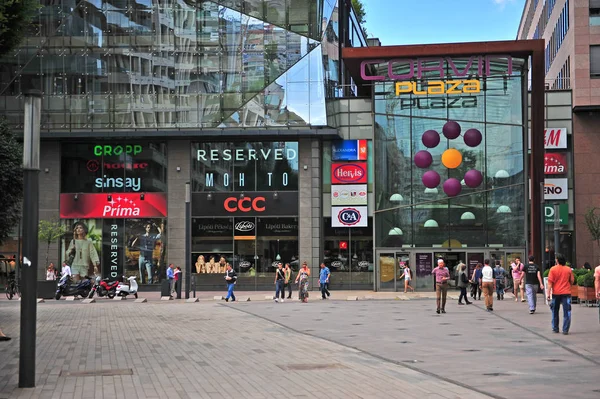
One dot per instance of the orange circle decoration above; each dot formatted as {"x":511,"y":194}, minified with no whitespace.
{"x":451,"y":158}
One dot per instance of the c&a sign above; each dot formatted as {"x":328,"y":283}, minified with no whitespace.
{"x":254,"y":203}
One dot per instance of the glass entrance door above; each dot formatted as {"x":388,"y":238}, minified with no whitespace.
{"x":390,"y":270}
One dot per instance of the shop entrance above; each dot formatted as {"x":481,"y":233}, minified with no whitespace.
{"x":390,"y":265}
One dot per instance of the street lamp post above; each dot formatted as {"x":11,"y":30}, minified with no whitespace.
{"x":188,"y":255}
{"x":29,"y":264}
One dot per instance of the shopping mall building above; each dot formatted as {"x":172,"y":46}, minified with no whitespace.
{"x":300,"y":142}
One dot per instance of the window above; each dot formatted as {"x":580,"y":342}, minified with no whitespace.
{"x":595,"y":61}
{"x":594,"y":12}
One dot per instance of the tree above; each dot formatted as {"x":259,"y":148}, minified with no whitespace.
{"x":15,"y":17}
{"x":359,"y":9}
{"x":11,"y":180}
{"x":50,"y":231}
{"x":592,"y":221}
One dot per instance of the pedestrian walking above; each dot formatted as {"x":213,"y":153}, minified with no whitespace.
{"x":597,"y":281}
{"x":560,"y":280}
{"x":279,"y":282}
{"x":532,"y":278}
{"x":407,"y":278}
{"x":303,"y":275}
{"x":231,"y":279}
{"x":177,"y":281}
{"x":518,"y":272}
{"x":499,"y":275}
{"x":288,"y":280}
{"x":3,"y":337}
{"x":488,"y":285}
{"x":476,"y":282}
{"x":324,"y":275}
{"x":51,"y":272}
{"x":171,"y":278}
{"x":463,"y":282}
{"x":442,"y":275}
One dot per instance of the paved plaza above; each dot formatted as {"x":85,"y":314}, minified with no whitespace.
{"x":377,"y":348}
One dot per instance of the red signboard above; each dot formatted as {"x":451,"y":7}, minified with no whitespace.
{"x":343,"y":244}
{"x":349,"y":173}
{"x":555,"y":163}
{"x":113,"y":205}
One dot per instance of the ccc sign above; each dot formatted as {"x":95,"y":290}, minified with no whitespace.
{"x":246,"y":204}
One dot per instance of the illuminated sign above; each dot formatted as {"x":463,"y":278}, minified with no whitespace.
{"x":556,"y":189}
{"x":246,"y":154}
{"x":470,"y":86}
{"x":113,"y":205}
{"x":93,"y":165}
{"x":110,"y":150}
{"x":442,"y":102}
{"x":349,"y":194}
{"x":260,"y":203}
{"x":349,"y":173}
{"x":554,"y":138}
{"x":563,"y":210}
{"x":349,"y":216}
{"x":134,"y":183}
{"x":349,"y":150}
{"x":479,"y":65}
{"x":555,"y":163}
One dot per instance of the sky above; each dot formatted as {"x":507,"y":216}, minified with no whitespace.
{"x":442,"y":21}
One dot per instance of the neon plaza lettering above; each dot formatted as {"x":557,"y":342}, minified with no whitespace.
{"x":108,"y":150}
{"x":134,"y":183}
{"x":442,"y":102}
{"x":226,"y":181}
{"x":246,"y":154}
{"x":246,"y":204}
{"x":425,"y":66}
{"x":470,"y":86}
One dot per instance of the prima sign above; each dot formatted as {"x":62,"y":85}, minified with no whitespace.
{"x":437,"y":67}
{"x":555,"y":163}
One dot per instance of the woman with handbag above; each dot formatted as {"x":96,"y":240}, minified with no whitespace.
{"x":303,"y":275}
{"x":463,"y":282}
{"x":82,"y":253}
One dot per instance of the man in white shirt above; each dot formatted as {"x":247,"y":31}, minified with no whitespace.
{"x":488,"y":285}
{"x":66,"y":270}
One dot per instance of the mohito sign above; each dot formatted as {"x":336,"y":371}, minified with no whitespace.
{"x":438,"y":67}
{"x":349,"y":173}
{"x":555,"y":163}
{"x":113,"y":205}
{"x":258,"y":203}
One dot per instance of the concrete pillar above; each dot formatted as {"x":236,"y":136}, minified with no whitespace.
{"x":178,"y":155}
{"x":309,"y":212}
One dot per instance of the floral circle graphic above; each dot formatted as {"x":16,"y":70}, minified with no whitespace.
{"x":451,"y":158}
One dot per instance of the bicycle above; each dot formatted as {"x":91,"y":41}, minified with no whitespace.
{"x":12,"y":289}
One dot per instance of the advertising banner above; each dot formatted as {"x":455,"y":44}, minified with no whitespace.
{"x":350,"y":194}
{"x":349,"y":150}
{"x":244,"y":229}
{"x":424,"y":265}
{"x":472,"y":261}
{"x":563,"y":210}
{"x":113,"y":231}
{"x":349,"y":173}
{"x":554,"y":138}
{"x":115,"y":205}
{"x":556,"y":189}
{"x":349,"y":216}
{"x":555,"y":163}
{"x":258,"y":203}
{"x":81,"y":247}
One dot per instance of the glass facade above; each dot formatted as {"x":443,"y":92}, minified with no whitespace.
{"x":164,"y":64}
{"x":450,"y":163}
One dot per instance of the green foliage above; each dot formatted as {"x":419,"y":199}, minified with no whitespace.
{"x":15,"y":17}
{"x":546,"y":272}
{"x":592,"y":221}
{"x":359,"y":9}
{"x":586,"y":279}
{"x":49,"y":231}
{"x":11,"y":180}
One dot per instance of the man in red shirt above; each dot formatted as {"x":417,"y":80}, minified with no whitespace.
{"x":560,"y":280}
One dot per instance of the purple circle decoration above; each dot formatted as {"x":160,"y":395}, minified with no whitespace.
{"x":473,"y":137}
{"x":451,"y":130}
{"x":473,"y":178}
{"x":430,"y":138}
{"x":431,"y":179}
{"x":452,"y":187}
{"x":423,"y":159}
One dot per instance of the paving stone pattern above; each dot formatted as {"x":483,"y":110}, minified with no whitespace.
{"x":197,"y":350}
